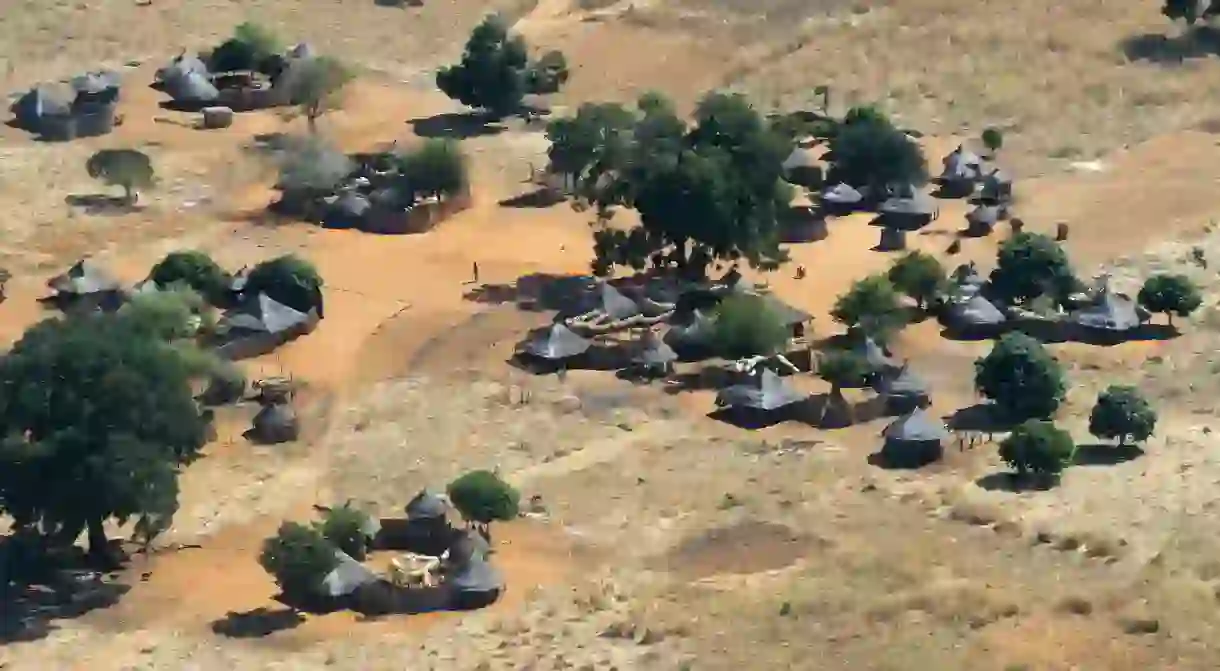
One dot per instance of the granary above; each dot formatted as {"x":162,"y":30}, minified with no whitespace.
{"x":259,"y":324}
{"x":962,"y":170}
{"x":275,"y":423}
{"x":803,"y":168}
{"x":555,"y":344}
{"x":841,"y":199}
{"x":892,"y":239}
{"x":475,"y":585}
{"x":996,"y":188}
{"x":914,"y":440}
{"x":903,"y":392}
{"x":86,"y":285}
{"x":347,"y":578}
{"x":907,"y":212}
{"x":1110,"y":316}
{"x":804,"y":223}
{"x":766,"y":394}
{"x":981,"y":221}
{"x":654,"y":356}
{"x":974,"y":316}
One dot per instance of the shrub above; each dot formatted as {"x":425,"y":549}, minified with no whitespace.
{"x":1037,"y":447}
{"x":993,"y":139}
{"x":166,"y":315}
{"x":436,"y":168}
{"x":344,"y":527}
{"x":127,"y":168}
{"x":745,"y":326}
{"x":1171,"y":295}
{"x":195,"y":269}
{"x":316,"y":86}
{"x":870,"y":306}
{"x":299,"y":558}
{"x":1123,"y":413}
{"x":289,"y":280}
{"x":1023,"y":379}
{"x":920,"y":276}
{"x":251,"y":47}
{"x":482,"y":497}
{"x":311,"y":168}
{"x":1030,"y":265}
{"x":842,"y":368}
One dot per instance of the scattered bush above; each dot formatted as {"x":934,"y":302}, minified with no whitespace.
{"x":344,"y":527}
{"x":1171,"y":295}
{"x":920,"y":276}
{"x":1037,"y":447}
{"x":436,"y":168}
{"x":311,"y":168}
{"x":195,"y":269}
{"x":316,"y":86}
{"x":299,"y":558}
{"x":993,"y":139}
{"x":250,"y":48}
{"x":482,"y":497}
{"x":1122,"y":412}
{"x":1023,"y":379}
{"x":127,"y":168}
{"x":870,"y":306}
{"x":1030,"y":265}
{"x":746,"y":326}
{"x":289,"y":280}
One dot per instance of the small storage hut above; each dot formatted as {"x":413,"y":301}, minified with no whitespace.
{"x":914,"y":440}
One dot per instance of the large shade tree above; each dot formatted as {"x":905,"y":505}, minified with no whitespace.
{"x":1030,"y":265}
{"x":868,"y":152}
{"x":1021,"y":377}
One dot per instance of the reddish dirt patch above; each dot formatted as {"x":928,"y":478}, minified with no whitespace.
{"x":744,"y":547}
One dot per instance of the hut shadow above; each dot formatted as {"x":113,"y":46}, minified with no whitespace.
{"x":1106,"y":455}
{"x":537,"y":291}
{"x":101,"y":204}
{"x":600,"y":358}
{"x":967,"y":335}
{"x":257,"y":623}
{"x":1195,"y":42}
{"x":540,"y":198}
{"x":879,"y":459}
{"x":454,"y":126}
{"x":980,"y":417}
{"x":1011,"y":482}
{"x":706,"y":378}
{"x":190,"y":106}
{"x":1142,"y":333}
{"x":754,"y":420}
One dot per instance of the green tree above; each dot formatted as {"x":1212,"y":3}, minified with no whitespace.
{"x":870,"y":153}
{"x":436,"y":168}
{"x":97,"y":420}
{"x":870,"y":306}
{"x":344,"y":527}
{"x":289,"y":280}
{"x":316,"y":86}
{"x":1021,"y":377}
{"x":195,"y":269}
{"x":250,"y":48}
{"x":166,"y":315}
{"x":746,"y":326}
{"x":299,"y":558}
{"x":127,"y":168}
{"x":919,"y":276}
{"x":866,"y":114}
{"x":482,"y":498}
{"x":1171,"y":295}
{"x":495,"y":72}
{"x":588,"y":145}
{"x":843,"y":368}
{"x":993,"y":139}
{"x":1037,"y":447}
{"x":226,"y":384}
{"x":1030,"y":265}
{"x":1122,"y":412}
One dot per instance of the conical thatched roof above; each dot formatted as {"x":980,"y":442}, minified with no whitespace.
{"x":976,"y":311}
{"x":616,"y":305}
{"x":426,"y":506}
{"x":842,"y":194}
{"x":905,"y":383}
{"x":349,"y":576}
{"x":768,"y":393}
{"x":44,"y":99}
{"x":263,"y":314}
{"x":917,"y":204}
{"x":997,"y":185}
{"x":181,"y":66}
{"x":96,"y":82}
{"x":800,"y":158}
{"x":875,"y":357}
{"x":654,"y":352}
{"x":476,"y":577}
{"x":191,"y":87}
{"x":276,"y":423}
{"x":557,"y":342}
{"x":984,"y":215}
{"x":961,"y":164}
{"x":1111,"y":312}
{"x":917,"y":427}
{"x":83,"y":278}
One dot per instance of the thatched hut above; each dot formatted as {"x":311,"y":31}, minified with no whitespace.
{"x":192,"y":88}
{"x":907,"y":212}
{"x":996,"y":188}
{"x":1111,"y":317}
{"x":86,"y":285}
{"x":692,"y":332}
{"x":555,"y":345}
{"x":654,"y":356}
{"x":803,"y":167}
{"x":962,"y":170}
{"x":765,"y":395}
{"x":347,"y":578}
{"x":974,"y":316}
{"x":466,"y":546}
{"x":615,"y":305}
{"x":259,"y":324}
{"x":804,"y":223}
{"x":880,"y":364}
{"x":841,"y":199}
{"x":981,"y":221}
{"x":903,"y":392}
{"x":892,"y":240}
{"x":914,"y":440}
{"x":275,"y":423}
{"x":347,"y":211}
{"x":476,"y":585}
{"x":42,"y":101}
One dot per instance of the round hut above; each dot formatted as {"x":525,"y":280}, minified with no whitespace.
{"x":981,"y":221}
{"x":975,"y":317}
{"x":428,"y":522}
{"x":803,"y":168}
{"x":804,"y":223}
{"x":910,"y":211}
{"x":903,"y":392}
{"x":275,"y":423}
{"x":655,"y":357}
{"x":962,"y":169}
{"x":476,"y":585}
{"x":841,"y":199}
{"x":914,"y":440}
{"x":997,"y":188}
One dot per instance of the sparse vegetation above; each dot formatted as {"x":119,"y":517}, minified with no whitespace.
{"x":251,"y":47}
{"x":871,"y":307}
{"x":130,"y":169}
{"x":482,"y":498}
{"x":746,"y":326}
{"x":1171,"y":295}
{"x":1122,"y":413}
{"x":1021,"y":377}
{"x":495,"y":72}
{"x":920,"y":276}
{"x":317,"y":86}
{"x":299,"y":557}
{"x":310,"y":169}
{"x":1038,"y":448}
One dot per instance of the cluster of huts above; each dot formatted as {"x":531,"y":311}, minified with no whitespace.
{"x":445,"y":568}
{"x":190,"y":85}
{"x":84,"y":106}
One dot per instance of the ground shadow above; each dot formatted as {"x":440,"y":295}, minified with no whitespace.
{"x":538,"y":291}
{"x":1195,"y":42}
{"x":880,"y":459}
{"x":172,"y":105}
{"x":540,"y":198}
{"x":256,"y":623}
{"x":981,"y":417}
{"x":752,"y":420}
{"x":1141,"y":333}
{"x":101,"y":204}
{"x":455,"y":126}
{"x":1011,"y":482}
{"x":1106,"y":455}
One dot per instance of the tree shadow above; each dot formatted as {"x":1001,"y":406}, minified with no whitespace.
{"x":980,"y":417}
{"x":1106,"y":455}
{"x":1168,"y":50}
{"x":538,"y":291}
{"x":30,"y":608}
{"x":455,"y":126}
{"x":750,"y":419}
{"x":1011,"y":482}
{"x":256,"y":623}
{"x":540,"y":198}
{"x":101,"y":204}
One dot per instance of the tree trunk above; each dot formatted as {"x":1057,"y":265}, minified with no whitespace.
{"x":311,"y":118}
{"x":129,"y":195}
{"x":98,"y":545}
{"x":1170,"y":316}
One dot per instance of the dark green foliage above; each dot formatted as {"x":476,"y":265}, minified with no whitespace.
{"x":226,"y":384}
{"x":993,"y":139}
{"x":1031,"y":265}
{"x":436,"y":168}
{"x":343,"y":527}
{"x":870,"y":306}
{"x":1021,"y":377}
{"x":919,"y":276}
{"x":495,"y":72}
{"x":97,"y":419}
{"x":287,"y":279}
{"x":1190,"y":10}
{"x":1170,"y":294}
{"x":167,"y":315}
{"x":482,"y":497}
{"x":589,"y":144}
{"x":869,"y":152}
{"x":843,"y":368}
{"x":316,"y":86}
{"x":866,"y":114}
{"x":1037,"y":447}
{"x":250,"y":48}
{"x":128,"y":168}
{"x":746,"y":326}
{"x":299,"y":558}
{"x":709,"y":193}
{"x":1122,"y":412}
{"x":196,"y":270}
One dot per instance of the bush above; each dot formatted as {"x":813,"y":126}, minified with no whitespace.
{"x":843,"y":368}
{"x":299,"y":558}
{"x":1037,"y":447}
{"x":1171,"y":295}
{"x":167,"y":315}
{"x":311,"y":168}
{"x":874,"y":155}
{"x":746,"y":326}
{"x":317,"y":86}
{"x":251,"y":47}
{"x":1123,"y":413}
{"x":436,"y":168}
{"x":871,"y":307}
{"x":1023,"y":379}
{"x":344,"y":527}
{"x":993,"y":139}
{"x":195,"y":269}
{"x":289,"y":280}
{"x":127,"y":168}
{"x":482,"y":497}
{"x":920,"y":276}
{"x":1030,"y":265}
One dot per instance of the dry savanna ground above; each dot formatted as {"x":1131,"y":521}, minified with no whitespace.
{"x":670,"y":541}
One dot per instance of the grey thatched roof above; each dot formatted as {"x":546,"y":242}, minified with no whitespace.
{"x":468,"y":546}
{"x":905,"y":383}
{"x":655,"y":352}
{"x":1111,"y":312}
{"x":83,"y":278}
{"x":918,"y":204}
{"x":769,"y":392}
{"x":961,"y":164}
{"x":96,"y":82}
{"x":917,"y":427}
{"x":349,"y":576}
{"x":616,"y":305}
{"x":875,"y":357}
{"x":984,"y":214}
{"x":191,"y":87}
{"x":842,"y":194}
{"x":44,"y":99}
{"x":426,"y":506}
{"x":262,"y":313}
{"x":557,"y":342}
{"x":180,"y":66}
{"x":302,"y":50}
{"x":698,"y":329}
{"x":476,"y":577}
{"x":238,"y":282}
{"x":996,"y":184}
{"x":976,"y":311}
{"x":800,"y":158}
{"x":276,"y":423}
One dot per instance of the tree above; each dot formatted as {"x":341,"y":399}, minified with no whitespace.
{"x":167,"y":315}
{"x":866,"y":114}
{"x":746,"y":326}
{"x":1171,"y":295}
{"x":289,"y":280}
{"x":316,"y":86}
{"x":250,"y":48}
{"x":591,"y":143}
{"x":1037,"y":447}
{"x":97,"y":419}
{"x":843,"y":368}
{"x":993,"y":139}
{"x":1122,"y":412}
{"x":495,"y":72}
{"x":128,"y":168}
{"x":1030,"y":265}
{"x":868,"y":152}
{"x":195,"y":269}
{"x":436,"y":168}
{"x":482,"y":498}
{"x":299,"y":558}
{"x":870,"y":306}
{"x":1021,"y":377}
{"x":344,"y":527}
{"x":919,"y":276}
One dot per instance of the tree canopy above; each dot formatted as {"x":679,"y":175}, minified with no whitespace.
{"x":868,"y":152}
{"x":1170,"y":294}
{"x":495,"y":72}
{"x":1122,"y":413}
{"x":97,"y":420}
{"x":196,"y":270}
{"x":344,"y":527}
{"x":746,"y":326}
{"x":920,"y":276}
{"x":130,"y":169}
{"x":289,"y":280}
{"x":435,"y":168}
{"x":316,"y":85}
{"x":299,"y":557}
{"x":251,"y":47}
{"x":1021,"y":377}
{"x":591,"y":143}
{"x":482,"y":497}
{"x":870,"y":306}
{"x":1037,"y":447}
{"x":167,"y":315}
{"x":993,"y":139}
{"x":1030,"y":265}
{"x":843,"y":368}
